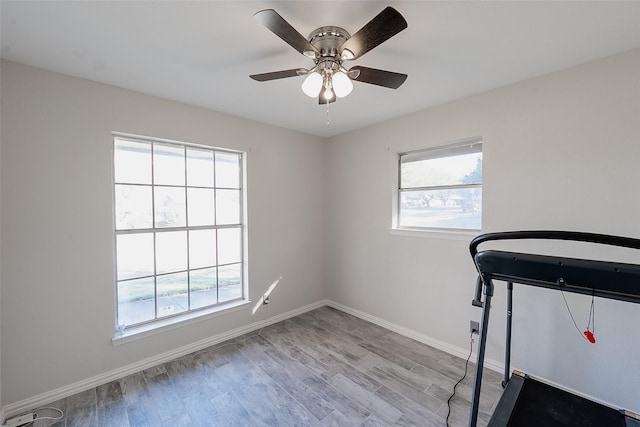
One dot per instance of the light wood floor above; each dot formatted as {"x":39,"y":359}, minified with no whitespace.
{"x":322,"y":368}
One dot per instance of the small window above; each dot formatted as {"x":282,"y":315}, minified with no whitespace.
{"x":441,"y":188}
{"x":179,"y":228}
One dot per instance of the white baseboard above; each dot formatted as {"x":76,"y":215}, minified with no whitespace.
{"x":456,"y":351}
{"x":440,"y":345}
{"x":71,"y":389}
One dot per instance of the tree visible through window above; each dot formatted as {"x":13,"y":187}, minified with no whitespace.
{"x":179,"y":228}
{"x":441,"y":187}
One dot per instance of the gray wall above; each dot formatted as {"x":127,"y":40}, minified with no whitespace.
{"x":560,"y":152}
{"x":57,"y":230}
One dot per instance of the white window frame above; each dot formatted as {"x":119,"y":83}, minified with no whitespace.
{"x":468,"y":145}
{"x":152,"y":326}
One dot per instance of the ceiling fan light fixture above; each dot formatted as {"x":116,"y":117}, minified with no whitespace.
{"x":341,"y":84}
{"x":329,"y":46}
{"x":312,"y":84}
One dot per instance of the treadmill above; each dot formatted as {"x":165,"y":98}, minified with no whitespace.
{"x":527,"y":401}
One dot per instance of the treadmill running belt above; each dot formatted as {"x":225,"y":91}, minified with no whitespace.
{"x":541,"y":405}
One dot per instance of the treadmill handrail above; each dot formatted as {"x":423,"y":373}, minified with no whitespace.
{"x":577,"y":236}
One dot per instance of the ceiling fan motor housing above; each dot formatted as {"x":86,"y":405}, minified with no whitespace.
{"x":327,"y":40}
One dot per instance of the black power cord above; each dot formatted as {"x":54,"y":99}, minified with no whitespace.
{"x":466,"y":367}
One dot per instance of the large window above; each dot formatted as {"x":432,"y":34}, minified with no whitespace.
{"x":178,"y":228}
{"x":441,"y":188}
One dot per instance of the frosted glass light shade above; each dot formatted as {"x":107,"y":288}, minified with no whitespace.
{"x":342,"y":85}
{"x":312,"y":84}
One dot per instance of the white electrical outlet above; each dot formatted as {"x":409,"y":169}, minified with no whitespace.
{"x":474,"y":327}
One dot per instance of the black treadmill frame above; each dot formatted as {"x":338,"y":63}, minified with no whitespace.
{"x":619,"y":281}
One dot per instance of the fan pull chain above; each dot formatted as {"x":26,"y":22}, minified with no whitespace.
{"x":328,"y":113}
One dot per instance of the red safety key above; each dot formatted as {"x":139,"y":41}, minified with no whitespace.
{"x":590,"y":336}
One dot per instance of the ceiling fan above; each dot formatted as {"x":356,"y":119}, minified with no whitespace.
{"x":329,"y":46}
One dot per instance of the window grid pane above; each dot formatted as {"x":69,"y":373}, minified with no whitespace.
{"x":172,"y":255}
{"x":441,"y":188}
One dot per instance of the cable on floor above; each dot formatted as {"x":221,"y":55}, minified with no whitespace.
{"x":52,"y":418}
{"x":37,"y":416}
{"x":466,"y":367}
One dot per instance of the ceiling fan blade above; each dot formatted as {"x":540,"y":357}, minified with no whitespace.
{"x":385,"y":25}
{"x":323,"y":101}
{"x":281,"y":28}
{"x":379,"y":77}
{"x":274,"y":75}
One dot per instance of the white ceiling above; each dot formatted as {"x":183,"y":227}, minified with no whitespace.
{"x":202,"y":52}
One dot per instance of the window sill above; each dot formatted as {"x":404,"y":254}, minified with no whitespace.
{"x":163,"y":325}
{"x":463,"y":235}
